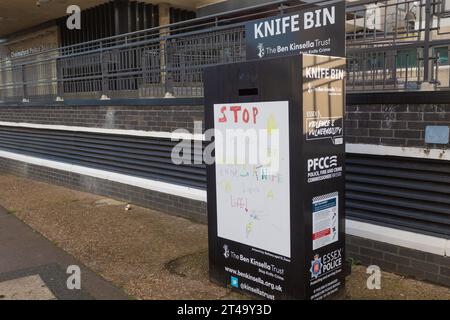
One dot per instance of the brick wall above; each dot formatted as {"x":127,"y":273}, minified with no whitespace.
{"x":401,"y":125}
{"x":149,"y":118}
{"x":404,"y":261}
{"x":397,"y":120}
{"x":381,"y":123}
{"x":390,"y":258}
{"x":191,"y":209}
{"x":167,"y":115}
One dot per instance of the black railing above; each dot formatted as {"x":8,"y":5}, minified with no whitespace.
{"x":391,"y":45}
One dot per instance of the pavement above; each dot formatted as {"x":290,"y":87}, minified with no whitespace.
{"x":33,"y":268}
{"x":137,"y":253}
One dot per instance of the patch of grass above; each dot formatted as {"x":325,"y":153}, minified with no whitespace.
{"x":11,"y":211}
{"x":354,"y":262}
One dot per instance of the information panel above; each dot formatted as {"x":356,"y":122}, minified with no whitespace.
{"x":317,"y":30}
{"x":324,"y":151}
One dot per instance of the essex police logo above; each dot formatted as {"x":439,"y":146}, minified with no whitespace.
{"x":316,"y":267}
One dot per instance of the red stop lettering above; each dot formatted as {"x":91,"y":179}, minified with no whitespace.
{"x":255,"y":114}
{"x":246,"y":116}
{"x":224,"y":117}
{"x":236,"y":113}
{"x":239,"y":114}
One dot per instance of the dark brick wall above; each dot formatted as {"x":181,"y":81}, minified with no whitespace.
{"x":191,"y":209}
{"x":150,"y":118}
{"x":403,"y":261}
{"x":380,"y":124}
{"x":390,"y":258}
{"x":400,"y":125}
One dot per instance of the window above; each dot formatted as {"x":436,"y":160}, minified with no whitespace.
{"x":407,"y":58}
{"x":442,"y":52}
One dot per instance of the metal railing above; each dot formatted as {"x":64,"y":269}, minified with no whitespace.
{"x":394,"y":69}
{"x":398,"y":45}
{"x":153,"y":63}
{"x":390,"y":46}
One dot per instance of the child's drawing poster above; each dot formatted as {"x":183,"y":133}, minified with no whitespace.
{"x":252,"y":174}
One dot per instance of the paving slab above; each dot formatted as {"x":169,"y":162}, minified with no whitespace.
{"x":34,"y":268}
{"x":26,"y":288}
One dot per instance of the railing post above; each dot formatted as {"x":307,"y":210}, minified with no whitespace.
{"x":59,"y":80}
{"x":24,"y":84}
{"x":384,"y":70}
{"x":436,"y":62}
{"x":448,"y":55}
{"x":394,"y":67}
{"x":104,"y":69}
{"x":164,"y":19}
{"x":426,"y":47}
{"x":168,"y":85}
{"x":407,"y":70}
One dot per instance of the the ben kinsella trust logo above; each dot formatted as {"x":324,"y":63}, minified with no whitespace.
{"x":226,"y":251}
{"x":261,"y":50}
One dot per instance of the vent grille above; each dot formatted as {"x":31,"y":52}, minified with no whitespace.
{"x":136,"y":156}
{"x":411,"y":194}
{"x":403,"y":193}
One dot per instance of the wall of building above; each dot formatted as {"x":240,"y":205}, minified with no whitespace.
{"x":395,"y":125}
{"x":34,"y":42}
{"x":103,"y":185}
{"x":378,"y":240}
{"x":37,"y":45}
{"x":227,"y":6}
{"x":161,"y":118}
{"x":138,"y":123}
{"x":400,"y":260}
